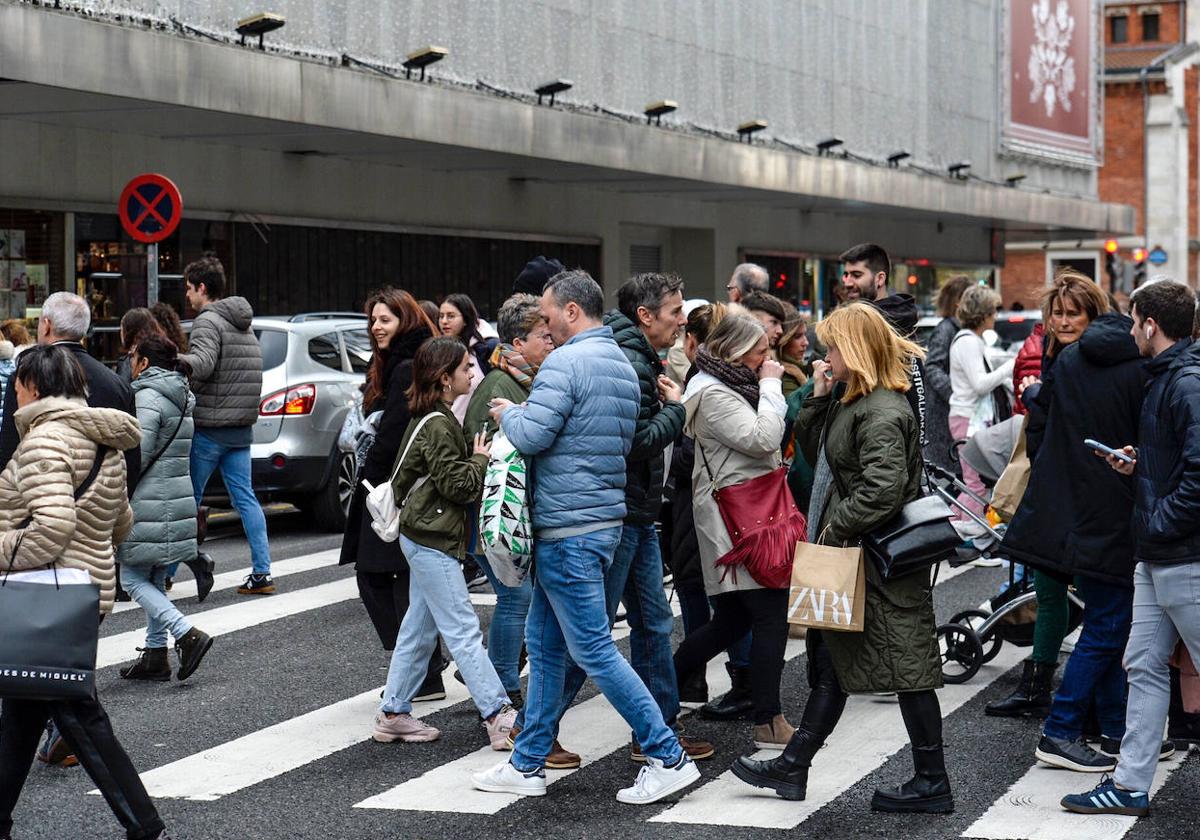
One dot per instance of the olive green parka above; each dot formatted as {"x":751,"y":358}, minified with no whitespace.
{"x":873,"y":448}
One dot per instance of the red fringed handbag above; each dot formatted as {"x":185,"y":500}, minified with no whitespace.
{"x":764,"y":525}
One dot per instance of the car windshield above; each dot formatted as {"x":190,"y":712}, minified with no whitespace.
{"x":274,"y":347}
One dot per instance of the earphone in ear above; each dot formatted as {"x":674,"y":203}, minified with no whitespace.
{"x":1149,"y":333}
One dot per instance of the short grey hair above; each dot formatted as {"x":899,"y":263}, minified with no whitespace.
{"x":751,"y":277}
{"x":70,"y":315}
{"x":734,"y":337}
{"x":517,"y":316}
{"x":977,"y":304}
{"x":578,"y":287}
{"x":646,"y":290}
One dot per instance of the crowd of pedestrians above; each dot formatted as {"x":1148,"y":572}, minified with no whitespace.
{"x":634,"y":423}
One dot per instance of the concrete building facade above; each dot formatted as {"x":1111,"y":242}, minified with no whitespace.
{"x":317,"y":171}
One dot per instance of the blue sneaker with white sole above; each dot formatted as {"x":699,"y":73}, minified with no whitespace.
{"x":1107,"y":798}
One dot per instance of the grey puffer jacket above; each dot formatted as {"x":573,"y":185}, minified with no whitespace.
{"x":226,"y":364}
{"x":164,"y":507}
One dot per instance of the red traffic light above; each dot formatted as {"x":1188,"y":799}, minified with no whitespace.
{"x":1111,"y":246}
{"x":1139,"y":254}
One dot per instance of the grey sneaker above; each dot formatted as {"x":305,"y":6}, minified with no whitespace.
{"x":500,"y":727}
{"x":403,"y":727}
{"x":1073,"y":755}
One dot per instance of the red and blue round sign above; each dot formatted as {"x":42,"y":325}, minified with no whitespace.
{"x":150,"y":208}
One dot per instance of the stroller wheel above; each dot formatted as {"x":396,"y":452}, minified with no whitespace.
{"x":961,"y":651}
{"x":991,"y":641}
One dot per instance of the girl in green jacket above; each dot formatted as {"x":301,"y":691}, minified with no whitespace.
{"x":436,"y":479}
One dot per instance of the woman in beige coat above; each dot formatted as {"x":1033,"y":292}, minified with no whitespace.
{"x":61,"y":437}
{"x":735,"y":410}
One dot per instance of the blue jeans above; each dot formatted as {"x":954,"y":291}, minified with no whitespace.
{"x":506,"y":633}
{"x":234,"y":463}
{"x":636,"y":577}
{"x":568,"y":619}
{"x":145,"y":585}
{"x":1094,"y":673}
{"x":438,"y":602}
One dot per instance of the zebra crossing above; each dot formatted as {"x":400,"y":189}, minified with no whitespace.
{"x":434,"y":783}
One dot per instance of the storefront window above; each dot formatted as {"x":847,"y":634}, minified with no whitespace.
{"x":31,"y":260}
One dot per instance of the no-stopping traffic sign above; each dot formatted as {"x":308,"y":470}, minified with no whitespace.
{"x":150,"y":208}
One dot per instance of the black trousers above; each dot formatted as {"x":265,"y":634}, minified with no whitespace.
{"x":385,"y":595}
{"x":763,"y":613}
{"x":85,"y":726}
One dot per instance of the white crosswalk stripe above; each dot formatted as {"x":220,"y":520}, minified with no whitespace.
{"x":1030,"y":810}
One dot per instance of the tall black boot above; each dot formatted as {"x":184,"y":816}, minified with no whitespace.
{"x":1183,"y":727}
{"x":1033,"y":696}
{"x":737,"y":702}
{"x":928,"y":791}
{"x":787,"y":775}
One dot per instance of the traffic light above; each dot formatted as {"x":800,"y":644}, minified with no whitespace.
{"x":1139,"y":268}
{"x":1111,"y":246}
{"x":1112,"y":267}
{"x":1139,"y":255}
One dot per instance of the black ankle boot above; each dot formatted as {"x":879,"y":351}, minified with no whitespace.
{"x":1033,"y":696}
{"x":737,"y":702}
{"x":202,"y":570}
{"x":1183,"y":727}
{"x":190,"y":648}
{"x":787,"y":775}
{"x":927,"y":792}
{"x":695,"y":688}
{"x":151,"y":665}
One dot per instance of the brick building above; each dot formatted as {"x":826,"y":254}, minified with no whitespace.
{"x":1151,"y":155}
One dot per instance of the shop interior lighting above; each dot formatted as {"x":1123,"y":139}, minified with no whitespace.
{"x":259,"y":24}
{"x":551,"y":89}
{"x":747,"y":129}
{"x":960,"y":170}
{"x":895,"y":157}
{"x":1013,"y":180}
{"x":422,"y":58}
{"x":655,"y":110}
{"x":827,"y":145}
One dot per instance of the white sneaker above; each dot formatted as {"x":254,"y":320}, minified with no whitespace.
{"x":656,"y":781}
{"x":504,"y":778}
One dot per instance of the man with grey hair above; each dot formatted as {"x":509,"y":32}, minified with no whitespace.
{"x":578,"y":426}
{"x":65,"y":320}
{"x":747,"y":278}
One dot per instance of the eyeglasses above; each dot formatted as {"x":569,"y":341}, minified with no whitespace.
{"x":730,"y":288}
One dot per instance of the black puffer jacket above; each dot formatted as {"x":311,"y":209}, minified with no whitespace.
{"x":684,"y":554}
{"x":1166,"y":522}
{"x":1076,"y":513}
{"x":658,"y":425}
{"x":360,"y":545}
{"x":901,"y":312}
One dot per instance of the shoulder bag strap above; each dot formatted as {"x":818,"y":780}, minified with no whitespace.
{"x":101,"y":453}
{"x":146,"y":467}
{"x":400,"y":461}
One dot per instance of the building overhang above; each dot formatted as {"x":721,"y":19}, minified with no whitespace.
{"x":156,"y":84}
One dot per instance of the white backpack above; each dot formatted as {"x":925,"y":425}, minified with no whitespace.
{"x":381,"y":499}
{"x":505,"y":529}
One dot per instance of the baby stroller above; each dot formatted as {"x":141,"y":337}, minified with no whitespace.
{"x":974,"y":637}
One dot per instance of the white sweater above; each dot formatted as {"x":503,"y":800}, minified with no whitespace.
{"x":970,"y":379}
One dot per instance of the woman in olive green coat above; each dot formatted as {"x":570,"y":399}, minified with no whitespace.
{"x":859,"y":431}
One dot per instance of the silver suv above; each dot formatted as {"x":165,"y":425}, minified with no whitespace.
{"x":313,"y":367}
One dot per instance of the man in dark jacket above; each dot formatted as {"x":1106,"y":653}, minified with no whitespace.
{"x":1074,"y":520}
{"x":1165,"y":468}
{"x":865,"y":271}
{"x":65,"y":320}
{"x":226,"y":364}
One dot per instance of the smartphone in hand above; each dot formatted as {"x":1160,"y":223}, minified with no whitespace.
{"x":1107,"y":450}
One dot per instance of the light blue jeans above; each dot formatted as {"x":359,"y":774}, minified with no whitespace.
{"x":506,"y":633}
{"x":145,"y":585}
{"x":438,"y":602}
{"x":1166,"y":607}
{"x":568,"y":620}
{"x":234,"y":462}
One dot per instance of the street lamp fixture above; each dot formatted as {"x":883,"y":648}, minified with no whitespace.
{"x":259,"y":24}
{"x":960,"y":170}
{"x":422,"y":58}
{"x":1013,"y":180}
{"x":895,"y":157}
{"x":655,"y":110}
{"x":747,"y":129}
{"x":552,"y":88}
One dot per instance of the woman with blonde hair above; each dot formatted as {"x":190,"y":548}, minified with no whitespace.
{"x":859,"y":430}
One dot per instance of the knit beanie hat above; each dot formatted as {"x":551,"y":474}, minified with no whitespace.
{"x":537,"y":272}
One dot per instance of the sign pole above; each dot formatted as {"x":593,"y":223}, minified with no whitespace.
{"x":152,"y":274}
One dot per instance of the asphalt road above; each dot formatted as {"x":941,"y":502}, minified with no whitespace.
{"x":270,"y":739}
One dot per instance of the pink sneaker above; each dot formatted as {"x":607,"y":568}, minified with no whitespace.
{"x":403,"y":727}
{"x":500,"y":727}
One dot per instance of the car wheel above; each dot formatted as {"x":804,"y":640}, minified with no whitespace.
{"x":332,"y":502}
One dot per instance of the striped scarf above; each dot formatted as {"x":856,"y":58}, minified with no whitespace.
{"x":513,"y":363}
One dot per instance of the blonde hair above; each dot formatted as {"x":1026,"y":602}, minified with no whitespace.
{"x":977,"y":304}
{"x":734,"y":337}
{"x":875,"y":355}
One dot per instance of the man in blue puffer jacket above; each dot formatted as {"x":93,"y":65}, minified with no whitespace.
{"x":578,"y":426}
